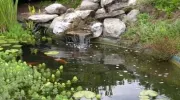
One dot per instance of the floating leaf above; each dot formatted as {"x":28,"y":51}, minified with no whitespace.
{"x":17,"y":46}
{"x":144,"y":97}
{"x":3,"y":41}
{"x":78,"y":95}
{"x":51,"y":53}
{"x":12,"y":41}
{"x":86,"y":94}
{"x":5,"y":45}
{"x":1,"y":48}
{"x":1,"y":37}
{"x":152,"y":93}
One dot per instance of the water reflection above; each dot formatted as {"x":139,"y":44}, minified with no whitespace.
{"x":116,"y":73}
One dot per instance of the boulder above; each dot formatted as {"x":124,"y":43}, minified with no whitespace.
{"x":113,"y":27}
{"x":60,"y":27}
{"x":97,"y":29}
{"x":55,"y":8}
{"x":88,"y":5}
{"x":42,"y":18}
{"x":132,"y":2}
{"x":106,"y":2}
{"x":116,"y":6}
{"x":68,"y":20}
{"x":100,"y":11}
{"x":131,"y":16}
{"x":95,"y":1}
{"x":109,"y":15}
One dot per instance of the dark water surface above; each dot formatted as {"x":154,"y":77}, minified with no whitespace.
{"x":115,"y":73}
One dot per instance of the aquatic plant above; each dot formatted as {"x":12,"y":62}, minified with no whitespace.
{"x":147,"y":94}
{"x":21,"y":81}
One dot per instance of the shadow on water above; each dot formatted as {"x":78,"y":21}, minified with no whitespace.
{"x":115,"y":73}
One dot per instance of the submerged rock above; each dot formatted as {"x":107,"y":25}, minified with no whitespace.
{"x":42,"y":17}
{"x":55,"y":8}
{"x":97,"y":29}
{"x":88,"y":5}
{"x":113,"y":27}
{"x":113,"y":60}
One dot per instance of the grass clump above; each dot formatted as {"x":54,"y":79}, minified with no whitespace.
{"x":70,"y":3}
{"x":167,"y":6}
{"x":8,"y":14}
{"x":162,"y":36}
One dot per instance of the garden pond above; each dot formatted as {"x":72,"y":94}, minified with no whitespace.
{"x":113,"y":72}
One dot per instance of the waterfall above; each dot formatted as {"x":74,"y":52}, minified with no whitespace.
{"x":82,"y":43}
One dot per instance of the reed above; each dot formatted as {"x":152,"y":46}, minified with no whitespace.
{"x":8,"y":14}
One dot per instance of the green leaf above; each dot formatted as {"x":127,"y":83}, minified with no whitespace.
{"x":51,"y":52}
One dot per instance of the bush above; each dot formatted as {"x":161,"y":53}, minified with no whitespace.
{"x":163,"y":36}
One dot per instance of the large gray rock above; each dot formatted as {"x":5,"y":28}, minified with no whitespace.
{"x":116,"y":6}
{"x":68,"y":20}
{"x":42,"y":18}
{"x":97,"y":29}
{"x":100,"y":11}
{"x":55,"y":8}
{"x":113,"y":27}
{"x":132,"y":2}
{"x":131,"y":16}
{"x":95,"y":1}
{"x":88,"y":5}
{"x":106,"y":2}
{"x":109,"y":15}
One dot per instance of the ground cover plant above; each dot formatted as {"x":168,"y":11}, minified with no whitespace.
{"x":163,"y":36}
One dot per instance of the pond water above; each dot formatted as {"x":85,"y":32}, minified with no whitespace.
{"x":115,"y":73}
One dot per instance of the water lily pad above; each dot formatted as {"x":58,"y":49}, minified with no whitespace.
{"x":17,"y":46}
{"x":3,"y":41}
{"x":2,"y":37}
{"x":1,"y":48}
{"x":12,"y":41}
{"x":5,"y":45}
{"x":51,"y":52}
{"x":144,"y":97}
{"x":89,"y":94}
{"x":86,"y":94}
{"x":12,"y":50}
{"x":143,"y":93}
{"x":78,"y":95}
{"x":152,"y":93}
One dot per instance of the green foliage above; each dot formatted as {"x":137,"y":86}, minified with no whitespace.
{"x":167,"y":5}
{"x":162,"y":36}
{"x":21,"y":81}
{"x":17,"y":33}
{"x":8,"y":14}
{"x":70,"y":3}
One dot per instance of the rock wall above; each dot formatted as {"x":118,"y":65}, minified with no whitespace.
{"x":102,"y":18}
